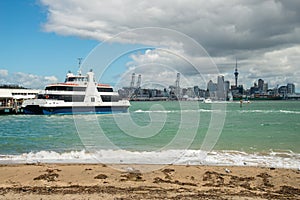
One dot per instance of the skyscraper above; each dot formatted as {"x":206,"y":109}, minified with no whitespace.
{"x":221,"y":87}
{"x":211,"y":86}
{"x":177,"y":86}
{"x":260,"y":85}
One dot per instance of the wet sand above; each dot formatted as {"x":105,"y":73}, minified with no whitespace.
{"x":91,"y":181}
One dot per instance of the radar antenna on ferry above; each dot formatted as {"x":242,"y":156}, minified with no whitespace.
{"x":79,"y":66}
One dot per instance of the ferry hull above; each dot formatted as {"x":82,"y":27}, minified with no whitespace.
{"x":76,"y":110}
{"x":33,"y":110}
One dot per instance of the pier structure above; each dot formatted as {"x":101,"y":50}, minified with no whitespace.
{"x":11,"y":99}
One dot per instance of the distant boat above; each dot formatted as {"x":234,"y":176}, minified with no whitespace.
{"x":246,"y":101}
{"x":230,"y":97}
{"x":207,"y":101}
{"x":78,"y":94}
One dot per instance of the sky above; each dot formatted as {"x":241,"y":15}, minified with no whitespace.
{"x":42,"y":39}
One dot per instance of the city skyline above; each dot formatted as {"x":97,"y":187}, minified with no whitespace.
{"x":221,"y":90}
{"x":260,"y":83}
{"x":42,"y":42}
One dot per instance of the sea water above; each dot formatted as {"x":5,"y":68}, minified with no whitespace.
{"x":261,"y":133}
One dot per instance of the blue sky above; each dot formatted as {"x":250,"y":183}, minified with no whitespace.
{"x":42,"y":39}
{"x":26,"y":47}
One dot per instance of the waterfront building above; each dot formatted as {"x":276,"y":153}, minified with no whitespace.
{"x":282,"y":90}
{"x":265,"y":88}
{"x":290,"y":88}
{"x":196,"y":91}
{"x":254,"y":89}
{"x":190,"y":92}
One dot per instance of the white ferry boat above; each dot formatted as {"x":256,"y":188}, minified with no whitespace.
{"x":77,"y":95}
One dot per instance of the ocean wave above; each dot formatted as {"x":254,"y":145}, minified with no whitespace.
{"x":289,"y":111}
{"x":157,"y":111}
{"x":270,"y":111}
{"x":174,"y":111}
{"x":283,"y":159}
{"x":208,"y":110}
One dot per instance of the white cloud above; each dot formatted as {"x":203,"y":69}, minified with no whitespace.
{"x":160,"y":67}
{"x":3,"y":72}
{"x":218,"y":25}
{"x":263,"y":35}
{"x":51,"y":79}
{"x":28,"y":80}
{"x":277,"y":67}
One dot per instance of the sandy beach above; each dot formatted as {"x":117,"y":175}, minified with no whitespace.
{"x":99,"y":181}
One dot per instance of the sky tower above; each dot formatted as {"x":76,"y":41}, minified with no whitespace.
{"x":236,"y":73}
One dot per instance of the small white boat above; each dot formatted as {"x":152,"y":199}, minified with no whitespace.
{"x":207,"y":101}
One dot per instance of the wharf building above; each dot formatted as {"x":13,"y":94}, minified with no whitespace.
{"x":290,"y":88}
{"x":12,"y":97}
{"x":288,"y":92}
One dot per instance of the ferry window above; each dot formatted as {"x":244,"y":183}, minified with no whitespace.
{"x":104,"y":89}
{"x":65,"y":88}
{"x":92,"y":99}
{"x":71,"y":79}
{"x":41,"y":96}
{"x":106,"y":98}
{"x":110,"y":98}
{"x":79,"y":89}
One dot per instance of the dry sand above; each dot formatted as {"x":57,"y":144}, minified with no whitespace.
{"x":88,"y":181}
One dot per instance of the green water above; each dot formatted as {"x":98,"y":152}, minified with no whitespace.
{"x":256,"y":127}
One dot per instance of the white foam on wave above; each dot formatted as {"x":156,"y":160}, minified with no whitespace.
{"x":180,"y":157}
{"x":208,"y":110}
{"x":174,"y":111}
{"x":157,"y":111}
{"x":289,"y":112}
{"x":270,"y":111}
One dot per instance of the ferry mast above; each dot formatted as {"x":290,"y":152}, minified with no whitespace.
{"x":79,"y":66}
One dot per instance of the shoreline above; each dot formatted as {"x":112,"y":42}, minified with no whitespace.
{"x":91,"y":181}
{"x":226,"y":158}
